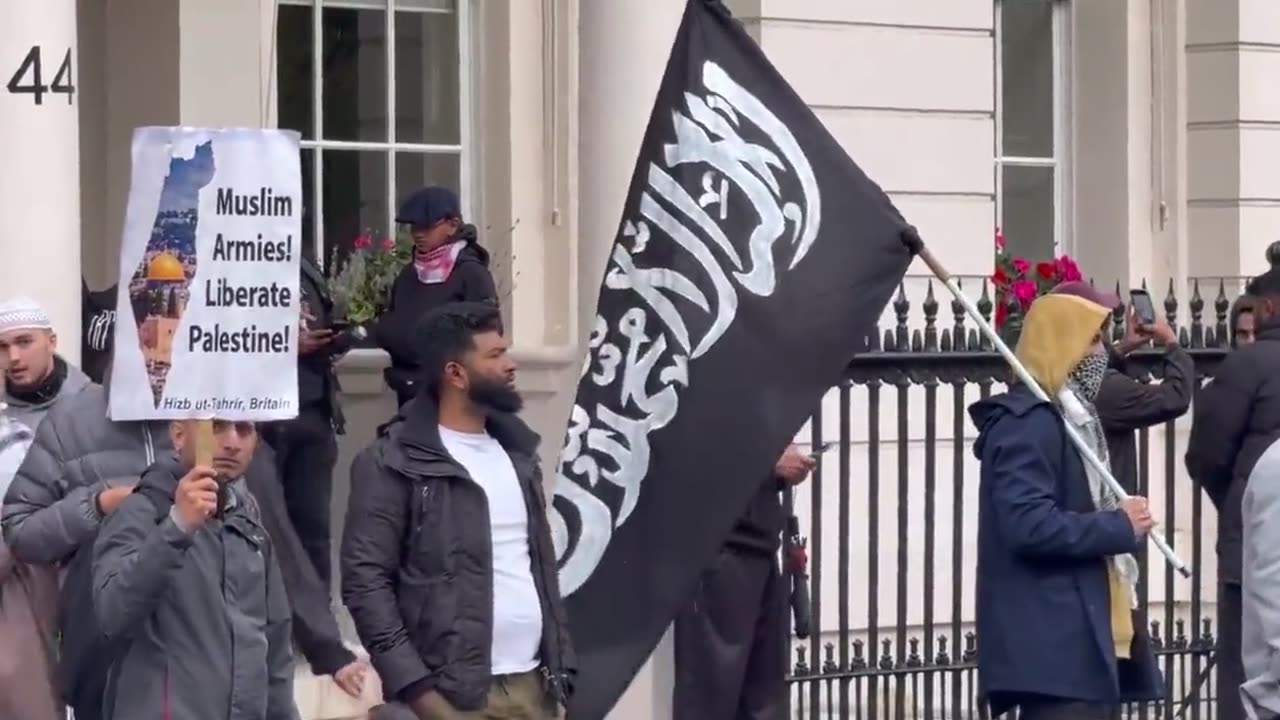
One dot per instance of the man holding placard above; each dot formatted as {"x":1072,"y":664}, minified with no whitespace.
{"x":185,"y":574}
{"x":207,"y":326}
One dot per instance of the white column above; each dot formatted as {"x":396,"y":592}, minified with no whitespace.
{"x":623,"y":50}
{"x":40,"y":174}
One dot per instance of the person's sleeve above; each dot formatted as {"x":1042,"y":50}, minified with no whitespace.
{"x":1219,"y":423}
{"x":391,"y":331}
{"x":280,"y":668}
{"x":134,"y":559}
{"x":1261,"y":574}
{"x":1125,"y":404}
{"x":370,"y":558}
{"x":314,"y":625}
{"x":1028,"y":516}
{"x":44,"y":519}
{"x":477,"y":283}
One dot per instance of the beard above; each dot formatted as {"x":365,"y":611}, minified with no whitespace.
{"x":495,"y":394}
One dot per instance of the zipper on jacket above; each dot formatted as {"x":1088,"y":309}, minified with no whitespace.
{"x":148,"y":445}
{"x":424,"y":502}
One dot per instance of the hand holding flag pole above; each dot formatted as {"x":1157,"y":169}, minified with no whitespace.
{"x":912,"y":240}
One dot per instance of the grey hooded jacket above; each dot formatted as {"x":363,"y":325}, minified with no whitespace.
{"x":1260,"y":575}
{"x":50,"y":508}
{"x":205,"y":612}
{"x":31,"y":413}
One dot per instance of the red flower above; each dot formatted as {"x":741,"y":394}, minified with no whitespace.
{"x":1002,"y":313}
{"x":388,"y":243}
{"x":1067,"y":269}
{"x":1046,"y":270}
{"x":999,"y":239}
{"x":363,"y":241}
{"x":1000,"y":278}
{"x":1021,"y":266}
{"x":1025,"y":291}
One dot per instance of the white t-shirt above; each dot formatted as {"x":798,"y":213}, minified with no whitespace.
{"x":517,"y":611}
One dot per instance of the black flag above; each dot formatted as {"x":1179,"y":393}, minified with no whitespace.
{"x":752,"y":261}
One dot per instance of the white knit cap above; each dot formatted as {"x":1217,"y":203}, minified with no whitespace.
{"x":23,"y":313}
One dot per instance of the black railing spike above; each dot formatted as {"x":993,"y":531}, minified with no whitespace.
{"x":1171,"y":306}
{"x":1144,"y":285}
{"x":1196,"y":306}
{"x":859,"y":659}
{"x":957,"y":313}
{"x":979,"y":340}
{"x":930,"y":307}
{"x":1221,"y":309}
{"x":802,"y":667}
{"x":1157,"y":641}
{"x":1206,"y":633}
{"x":886,"y":654}
{"x":970,"y":647}
{"x":913,"y":656}
{"x":1118,"y":318}
{"x":829,"y":664}
{"x":1180,"y":633}
{"x":901,"y":311}
{"x":943,"y":657}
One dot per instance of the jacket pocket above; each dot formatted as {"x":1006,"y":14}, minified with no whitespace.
{"x":428,"y":609}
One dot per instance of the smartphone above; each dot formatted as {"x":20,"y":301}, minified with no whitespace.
{"x":821,"y":449}
{"x":1143,"y":309}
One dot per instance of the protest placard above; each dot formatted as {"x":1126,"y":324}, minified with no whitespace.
{"x":208,"y":309}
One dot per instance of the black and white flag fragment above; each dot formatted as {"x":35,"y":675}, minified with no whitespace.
{"x":752,"y":260}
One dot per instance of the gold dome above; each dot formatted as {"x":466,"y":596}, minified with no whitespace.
{"x":165,"y":268}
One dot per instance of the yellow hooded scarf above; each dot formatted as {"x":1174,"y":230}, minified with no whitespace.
{"x":1057,"y":333}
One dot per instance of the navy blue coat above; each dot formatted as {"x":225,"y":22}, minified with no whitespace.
{"x":1043,"y":613}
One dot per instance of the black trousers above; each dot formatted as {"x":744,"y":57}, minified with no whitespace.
{"x":1230,"y":665}
{"x":306,"y":450}
{"x":731,"y":643}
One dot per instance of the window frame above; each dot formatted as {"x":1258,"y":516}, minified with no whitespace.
{"x":465,"y":149}
{"x":1063,"y":148}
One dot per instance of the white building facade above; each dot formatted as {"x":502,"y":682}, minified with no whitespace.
{"x":1136,"y":135}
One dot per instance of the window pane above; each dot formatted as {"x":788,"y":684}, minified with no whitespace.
{"x":294,"y":70}
{"x":417,"y":170}
{"x":308,"y":206}
{"x":1027,"y":207}
{"x":427,"y":75}
{"x":355,"y":75}
{"x":355,"y":197}
{"x":1026,"y":48}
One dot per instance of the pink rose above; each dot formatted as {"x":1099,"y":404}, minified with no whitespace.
{"x":1068,"y":270}
{"x":363,"y":241}
{"x":999,"y":239}
{"x":1025,"y":291}
{"x":1021,"y":266}
{"x":388,"y":244}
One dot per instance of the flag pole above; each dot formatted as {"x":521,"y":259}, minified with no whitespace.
{"x":1021,"y":371}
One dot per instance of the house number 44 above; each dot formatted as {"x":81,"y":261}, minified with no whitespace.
{"x":29,"y":78}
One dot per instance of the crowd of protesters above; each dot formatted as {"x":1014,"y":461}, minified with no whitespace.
{"x":138,"y":582}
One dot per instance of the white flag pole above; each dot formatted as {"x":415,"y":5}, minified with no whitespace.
{"x":1085,"y":451}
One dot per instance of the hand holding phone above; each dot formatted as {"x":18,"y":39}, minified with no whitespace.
{"x":818,"y":451}
{"x":1144,"y":311}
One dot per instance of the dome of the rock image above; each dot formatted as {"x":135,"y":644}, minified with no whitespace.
{"x":165,"y":268}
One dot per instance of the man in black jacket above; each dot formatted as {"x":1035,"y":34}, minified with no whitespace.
{"x":1125,"y":404}
{"x":1237,"y":417}
{"x":731,"y":638}
{"x":1226,"y":497}
{"x":447,"y":562}
{"x":306,"y":447}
